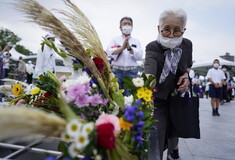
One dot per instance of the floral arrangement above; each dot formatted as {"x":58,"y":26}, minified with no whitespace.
{"x":86,"y":110}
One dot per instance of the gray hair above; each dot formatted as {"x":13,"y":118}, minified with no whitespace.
{"x":178,"y":13}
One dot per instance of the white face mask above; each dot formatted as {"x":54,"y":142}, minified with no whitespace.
{"x":224,"y":69}
{"x":169,"y":42}
{"x":126,"y":29}
{"x":216,"y":65}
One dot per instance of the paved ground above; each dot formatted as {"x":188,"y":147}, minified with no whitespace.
{"x":217,"y":135}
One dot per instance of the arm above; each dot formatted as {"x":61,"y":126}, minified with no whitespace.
{"x":184,"y":81}
{"x":136,"y":52}
{"x":6,"y":48}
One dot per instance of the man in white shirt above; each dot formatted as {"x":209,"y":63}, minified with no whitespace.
{"x":45,"y":59}
{"x":6,"y":64}
{"x":125,"y":52}
{"x":29,"y":72}
{"x":216,"y":77}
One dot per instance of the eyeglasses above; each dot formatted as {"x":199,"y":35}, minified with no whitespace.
{"x":167,"y":33}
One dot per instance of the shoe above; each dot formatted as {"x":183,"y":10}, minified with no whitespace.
{"x":213,"y":113}
{"x":217,"y":113}
{"x":170,"y":158}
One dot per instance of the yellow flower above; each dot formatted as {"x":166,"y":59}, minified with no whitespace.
{"x":125,"y":125}
{"x":144,"y":93}
{"x":17,"y":88}
{"x":35,"y":91}
{"x":88,"y":51}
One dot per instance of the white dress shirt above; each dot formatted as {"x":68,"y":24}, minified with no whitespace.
{"x":125,"y":58}
{"x":216,"y":75}
{"x":45,"y":61}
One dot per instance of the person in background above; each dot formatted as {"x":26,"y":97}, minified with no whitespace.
{"x":196,"y":83}
{"x":125,"y":51}
{"x":21,"y":69}
{"x":2,"y":56}
{"x":6,"y":64}
{"x":45,"y":59}
{"x":169,"y":59}
{"x":225,"y":85}
{"x":29,"y":72}
{"x":216,"y":77}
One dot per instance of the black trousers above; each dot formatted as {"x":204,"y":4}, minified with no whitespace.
{"x":159,"y":139}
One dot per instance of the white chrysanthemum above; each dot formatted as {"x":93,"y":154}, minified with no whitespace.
{"x":68,"y":83}
{"x":83,"y":78}
{"x":29,"y":88}
{"x":81,"y":140}
{"x":73,"y":127}
{"x":66,"y":137}
{"x":98,"y":157}
{"x":73,"y":151}
{"x":88,"y":128}
{"x":128,"y":100}
{"x":138,"y":82}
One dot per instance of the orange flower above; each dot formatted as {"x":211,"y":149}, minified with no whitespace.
{"x":125,"y":125}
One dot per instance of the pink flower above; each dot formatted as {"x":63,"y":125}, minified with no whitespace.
{"x":109,"y":118}
{"x":62,"y":78}
{"x":96,"y":100}
{"x":22,"y":101}
{"x":82,"y":100}
{"x":75,"y":91}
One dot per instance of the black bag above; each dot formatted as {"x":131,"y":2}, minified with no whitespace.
{"x":184,"y":115}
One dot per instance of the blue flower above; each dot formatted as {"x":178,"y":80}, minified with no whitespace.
{"x":76,"y":61}
{"x":87,"y":70}
{"x":131,"y":110}
{"x":138,"y":138}
{"x":129,"y":117}
{"x":50,"y":158}
{"x":140,"y":124}
{"x":140,"y":115}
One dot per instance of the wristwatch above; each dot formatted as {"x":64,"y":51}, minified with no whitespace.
{"x":129,"y":49}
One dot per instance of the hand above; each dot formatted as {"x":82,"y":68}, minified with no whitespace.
{"x":183,"y":82}
{"x":125,"y":43}
{"x":6,"y":48}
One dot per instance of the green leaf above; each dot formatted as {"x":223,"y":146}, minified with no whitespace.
{"x":119,"y":99}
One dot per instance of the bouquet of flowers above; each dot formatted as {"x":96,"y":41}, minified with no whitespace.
{"x":87,"y":110}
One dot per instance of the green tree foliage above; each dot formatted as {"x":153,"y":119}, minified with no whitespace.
{"x":21,"y":49}
{"x":7,"y":37}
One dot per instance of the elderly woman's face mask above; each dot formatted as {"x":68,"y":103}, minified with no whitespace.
{"x":170,"y":33}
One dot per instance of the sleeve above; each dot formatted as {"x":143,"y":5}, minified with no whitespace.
{"x":137,"y":52}
{"x":39,"y":63}
{"x":150,"y":64}
{"x":223,"y":76}
{"x":190,"y":57}
{"x":111,"y":48}
{"x":208,"y":75}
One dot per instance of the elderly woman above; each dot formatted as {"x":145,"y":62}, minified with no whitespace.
{"x":169,"y":59}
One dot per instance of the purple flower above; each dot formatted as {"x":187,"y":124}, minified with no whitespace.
{"x":139,"y":101}
{"x":129,"y":117}
{"x":137,"y":138}
{"x":96,"y":100}
{"x":86,"y":70}
{"x":140,"y":124}
{"x":105,"y":101}
{"x":130,"y":109}
{"x":139,"y":133}
{"x":50,"y":158}
{"x":75,"y":91}
{"x":87,"y":87}
{"x":140,"y":115}
{"x":76,"y":61}
{"x":67,"y":159}
{"x":82,"y":100}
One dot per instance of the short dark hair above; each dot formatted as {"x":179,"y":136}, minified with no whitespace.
{"x":215,"y":60}
{"x":128,"y":18}
{"x":8,"y":53}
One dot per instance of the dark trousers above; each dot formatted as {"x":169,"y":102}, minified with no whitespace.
{"x":159,"y":139}
{"x":120,"y":74}
{"x":29,"y":78}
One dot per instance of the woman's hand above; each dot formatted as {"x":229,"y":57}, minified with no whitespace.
{"x":183,"y":83}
